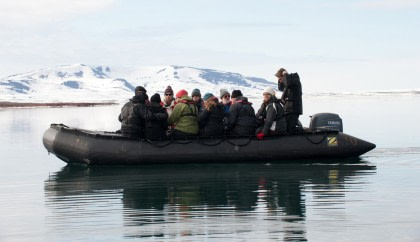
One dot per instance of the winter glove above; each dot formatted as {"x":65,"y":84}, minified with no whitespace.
{"x":260,"y":135}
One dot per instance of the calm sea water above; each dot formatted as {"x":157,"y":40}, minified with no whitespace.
{"x":373,"y":198}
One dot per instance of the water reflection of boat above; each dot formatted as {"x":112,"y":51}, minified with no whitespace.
{"x":93,"y":147}
{"x":153,"y":195}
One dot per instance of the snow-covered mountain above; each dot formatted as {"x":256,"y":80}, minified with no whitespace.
{"x":83,"y":83}
{"x":72,"y":83}
{"x":156,"y":79}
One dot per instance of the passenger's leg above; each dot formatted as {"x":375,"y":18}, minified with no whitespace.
{"x":292,"y":119}
{"x":259,"y":130}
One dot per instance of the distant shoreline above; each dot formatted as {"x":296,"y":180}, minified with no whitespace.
{"x":58,"y":104}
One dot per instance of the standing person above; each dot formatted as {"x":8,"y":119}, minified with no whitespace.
{"x":242,"y":121}
{"x":291,"y":87}
{"x":211,"y":117}
{"x":196,"y":97}
{"x":184,"y":116}
{"x":270,"y":116}
{"x":169,"y":100}
{"x":133,"y":116}
{"x":157,"y":125}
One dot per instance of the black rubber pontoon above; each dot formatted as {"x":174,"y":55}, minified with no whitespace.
{"x":105,"y":148}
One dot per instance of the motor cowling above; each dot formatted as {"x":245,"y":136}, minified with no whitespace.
{"x":326,"y":122}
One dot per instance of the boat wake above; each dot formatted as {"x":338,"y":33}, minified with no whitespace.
{"x":393,"y":152}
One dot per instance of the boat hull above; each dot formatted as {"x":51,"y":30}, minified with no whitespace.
{"x":102,"y":148}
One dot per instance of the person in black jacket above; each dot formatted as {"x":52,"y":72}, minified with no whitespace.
{"x":270,"y":116}
{"x":133,"y":116}
{"x":291,"y":87}
{"x":242,"y":121}
{"x":157,"y":125}
{"x":211,"y":117}
{"x":140,"y":89}
{"x":196,"y":97}
{"x":226,"y":103}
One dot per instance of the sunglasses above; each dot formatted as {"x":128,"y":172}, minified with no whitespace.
{"x":168,"y":95}
{"x":226,"y":96}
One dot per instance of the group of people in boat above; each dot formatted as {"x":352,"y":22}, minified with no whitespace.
{"x":181,"y":115}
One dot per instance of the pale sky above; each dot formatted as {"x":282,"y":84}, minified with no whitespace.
{"x":334,"y":45}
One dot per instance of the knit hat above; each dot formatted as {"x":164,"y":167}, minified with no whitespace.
{"x":139,"y":89}
{"x":270,"y":90}
{"x":155,"y":98}
{"x":196,"y":92}
{"x":169,"y":90}
{"x":223,"y":92}
{"x":279,"y":73}
{"x":236,"y":93}
{"x":181,"y":93}
{"x":207,"y":96}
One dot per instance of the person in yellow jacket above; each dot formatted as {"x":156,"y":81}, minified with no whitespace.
{"x":184,"y":116}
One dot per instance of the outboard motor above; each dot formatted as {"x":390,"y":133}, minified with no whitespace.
{"x":326,"y":122}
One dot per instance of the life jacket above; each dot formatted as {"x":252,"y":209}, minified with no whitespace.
{"x":168,"y":107}
{"x":193,"y":113}
{"x":273,"y":103}
{"x":273,"y":126}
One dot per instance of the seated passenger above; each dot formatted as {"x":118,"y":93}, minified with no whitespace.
{"x":235,"y":94}
{"x":133,"y":116}
{"x":211,"y":117}
{"x":196,"y":97}
{"x":157,"y":125}
{"x":225,"y":101}
{"x":242,"y":121}
{"x":270,"y":116}
{"x":169,"y":100}
{"x":184,"y":116}
{"x":140,"y":89}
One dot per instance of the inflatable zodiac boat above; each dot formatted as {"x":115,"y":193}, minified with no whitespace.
{"x":323,"y":139}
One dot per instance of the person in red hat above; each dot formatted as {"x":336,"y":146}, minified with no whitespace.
{"x":184,"y":116}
